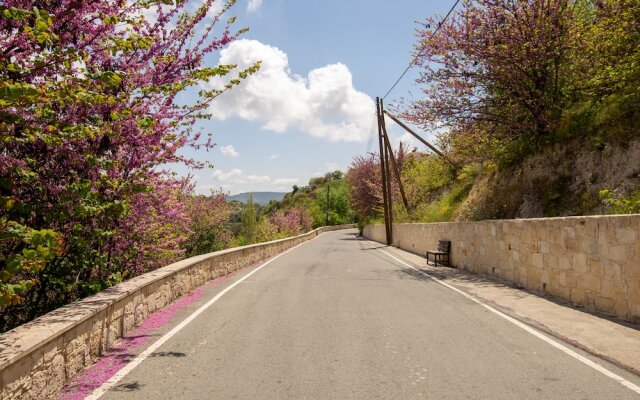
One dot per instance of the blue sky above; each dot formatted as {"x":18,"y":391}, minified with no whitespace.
{"x":310,"y":108}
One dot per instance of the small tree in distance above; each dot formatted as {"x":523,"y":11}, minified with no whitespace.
{"x":249,"y":221}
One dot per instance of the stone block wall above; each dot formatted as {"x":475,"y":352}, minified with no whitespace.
{"x":37,"y":358}
{"x":590,"y":261}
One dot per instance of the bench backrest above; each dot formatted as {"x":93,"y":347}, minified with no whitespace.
{"x":444,"y":246}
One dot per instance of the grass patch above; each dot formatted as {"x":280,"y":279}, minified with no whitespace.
{"x":444,"y":208}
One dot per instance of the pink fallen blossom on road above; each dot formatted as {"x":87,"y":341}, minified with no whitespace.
{"x":128,"y":347}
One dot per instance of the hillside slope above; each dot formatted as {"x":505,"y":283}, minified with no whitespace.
{"x":561,"y":180}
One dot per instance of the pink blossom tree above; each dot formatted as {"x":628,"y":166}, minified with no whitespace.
{"x":495,"y":66}
{"x":365,"y":182}
{"x":90,"y":120}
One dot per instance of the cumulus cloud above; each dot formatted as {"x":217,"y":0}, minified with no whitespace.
{"x":323,"y":104}
{"x":330,"y":167}
{"x":214,"y":8}
{"x":253,"y":6}
{"x":205,"y":189}
{"x":409,"y":141}
{"x":152,"y":13}
{"x":258,"y":178}
{"x":229,"y":151}
{"x":238,"y":176}
{"x":327,"y":167}
{"x":286,"y":181}
{"x":223,"y":176}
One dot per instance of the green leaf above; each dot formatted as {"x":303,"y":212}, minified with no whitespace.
{"x":111,"y":79}
{"x":14,"y":264}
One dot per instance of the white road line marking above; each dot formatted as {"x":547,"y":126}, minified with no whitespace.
{"x":117,"y":377}
{"x":529,"y":329}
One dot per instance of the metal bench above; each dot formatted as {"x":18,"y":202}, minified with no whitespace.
{"x":440,"y":256}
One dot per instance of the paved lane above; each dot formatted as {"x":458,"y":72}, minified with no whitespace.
{"x":337,"y":319}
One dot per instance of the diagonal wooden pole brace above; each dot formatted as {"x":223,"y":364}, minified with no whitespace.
{"x":429,"y":145}
{"x":395,"y":168}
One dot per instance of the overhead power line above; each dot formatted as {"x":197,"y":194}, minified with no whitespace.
{"x":413,"y":61}
{"x":372,"y":132}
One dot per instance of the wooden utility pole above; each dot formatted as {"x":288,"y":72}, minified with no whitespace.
{"x":396,"y":170}
{"x":383,"y":172}
{"x":388,"y":173}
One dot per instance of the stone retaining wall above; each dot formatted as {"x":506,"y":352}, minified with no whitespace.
{"x":38,"y":357}
{"x":590,"y":261}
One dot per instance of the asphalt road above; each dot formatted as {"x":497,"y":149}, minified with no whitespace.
{"x":337,"y":319}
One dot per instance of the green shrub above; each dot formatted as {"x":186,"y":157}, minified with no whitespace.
{"x":422,"y":177}
{"x":444,"y":208}
{"x":621,"y":204}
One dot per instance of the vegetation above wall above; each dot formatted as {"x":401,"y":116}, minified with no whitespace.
{"x":537,"y":105}
{"x":90,"y":117}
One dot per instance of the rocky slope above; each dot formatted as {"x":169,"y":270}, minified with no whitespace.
{"x":561,"y":180}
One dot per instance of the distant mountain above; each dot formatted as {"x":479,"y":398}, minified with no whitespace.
{"x":261,"y":198}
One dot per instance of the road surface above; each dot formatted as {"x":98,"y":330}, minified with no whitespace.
{"x":336,"y":318}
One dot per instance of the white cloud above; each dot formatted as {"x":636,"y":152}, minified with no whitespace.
{"x":327,"y":167}
{"x":330,"y":167}
{"x":323,"y":104}
{"x":214,"y":8}
{"x":258,"y":178}
{"x":237,"y":181}
{"x":204,"y":189}
{"x":254,"y":5}
{"x":286,"y":181}
{"x":222,"y":176}
{"x":274,"y":156}
{"x":151,"y":13}
{"x":229,"y":151}
{"x":408,"y":140}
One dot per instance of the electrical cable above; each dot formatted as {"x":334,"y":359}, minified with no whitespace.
{"x":413,"y":61}
{"x":371,"y":134}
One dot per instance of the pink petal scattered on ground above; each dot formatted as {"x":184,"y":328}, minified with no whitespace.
{"x":126,"y":349}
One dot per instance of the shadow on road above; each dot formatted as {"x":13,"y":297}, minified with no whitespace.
{"x":402,"y":273}
{"x":347,"y":236}
{"x":128,"y":387}
{"x":169,"y":354}
{"x":478,"y":280}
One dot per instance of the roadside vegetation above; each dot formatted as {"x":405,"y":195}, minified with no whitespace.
{"x":89,"y":120}
{"x":536,"y":103}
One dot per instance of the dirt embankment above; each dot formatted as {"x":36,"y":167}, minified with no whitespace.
{"x":561,"y":180}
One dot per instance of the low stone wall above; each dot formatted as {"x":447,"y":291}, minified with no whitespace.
{"x":590,"y":261}
{"x":38,"y":357}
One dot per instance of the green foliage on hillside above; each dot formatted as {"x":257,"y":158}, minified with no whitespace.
{"x":504,"y":83}
{"x":422,"y":177}
{"x":248,"y":221}
{"x":531,"y":74}
{"x":208,"y":226}
{"x":326,"y":199}
{"x":621,"y":204}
